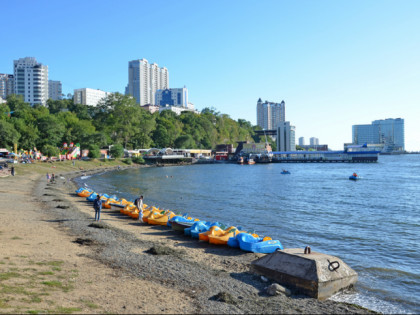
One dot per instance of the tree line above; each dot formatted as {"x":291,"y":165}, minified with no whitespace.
{"x":117,"y":119}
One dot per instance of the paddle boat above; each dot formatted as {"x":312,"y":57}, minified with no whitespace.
{"x":233,"y":241}
{"x":284,"y":172}
{"x":265,"y":245}
{"x":199,"y":227}
{"x":160,"y":218}
{"x":221,"y":237}
{"x":85,"y":192}
{"x":204,"y":236}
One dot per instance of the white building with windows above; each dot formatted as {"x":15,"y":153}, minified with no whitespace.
{"x":174,"y":97}
{"x":31,"y":80}
{"x":177,"y":109}
{"x":286,"y":137}
{"x":89,"y":97}
{"x":7,"y":85}
{"x":144,"y":80}
{"x":301,"y":141}
{"x":55,"y":90}
{"x":270,"y":114}
{"x":313,"y":141}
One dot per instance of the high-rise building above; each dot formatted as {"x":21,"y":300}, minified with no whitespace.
{"x":313,"y":141}
{"x":88,"y":96}
{"x":286,"y":137}
{"x":145,"y":79}
{"x":270,"y":114}
{"x":387,"y":132}
{"x":31,"y":80}
{"x":301,"y":141}
{"x":55,"y":90}
{"x":7,"y":85}
{"x":174,"y":97}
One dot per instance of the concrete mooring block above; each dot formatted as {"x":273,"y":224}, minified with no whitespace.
{"x":316,"y":275}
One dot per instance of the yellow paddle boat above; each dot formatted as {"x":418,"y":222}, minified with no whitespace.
{"x":204,"y":236}
{"x":159,"y":218}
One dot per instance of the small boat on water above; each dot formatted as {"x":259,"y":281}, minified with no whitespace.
{"x":284,"y":172}
{"x":354,"y":176}
{"x":250,"y":161}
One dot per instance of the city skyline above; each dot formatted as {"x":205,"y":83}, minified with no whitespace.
{"x":335,"y":64}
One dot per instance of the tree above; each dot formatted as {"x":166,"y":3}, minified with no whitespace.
{"x":94,"y":151}
{"x":51,"y":130}
{"x":8,"y":134}
{"x":185,"y":142}
{"x":117,"y":151}
{"x":50,"y":150}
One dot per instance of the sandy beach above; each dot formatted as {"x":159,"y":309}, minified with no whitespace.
{"x":53,"y":259}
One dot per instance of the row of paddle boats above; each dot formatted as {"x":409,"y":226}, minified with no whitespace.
{"x":212,"y":232}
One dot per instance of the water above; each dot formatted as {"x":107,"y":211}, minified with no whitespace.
{"x":372,"y":224}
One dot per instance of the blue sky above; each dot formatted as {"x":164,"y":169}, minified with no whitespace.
{"x":334,"y":63}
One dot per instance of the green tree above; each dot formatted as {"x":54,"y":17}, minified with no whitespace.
{"x":8,"y":134}
{"x":51,"y":130}
{"x":184,"y":142}
{"x":94,"y":151}
{"x":50,"y":150}
{"x":117,"y":151}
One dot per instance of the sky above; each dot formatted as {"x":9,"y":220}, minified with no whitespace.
{"x":334,"y":63}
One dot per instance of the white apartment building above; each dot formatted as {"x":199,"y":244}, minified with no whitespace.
{"x":145,"y":79}
{"x":55,"y":90}
{"x":7,"y":85}
{"x":270,"y":114}
{"x":177,"y":109}
{"x":88,"y":96}
{"x":301,"y":141}
{"x":31,"y":80}
{"x":313,"y":141}
{"x":174,"y":97}
{"x":286,"y":137}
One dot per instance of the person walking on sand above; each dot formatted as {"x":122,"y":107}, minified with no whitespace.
{"x":48,"y":177}
{"x":12,"y":171}
{"x":97,"y":205}
{"x":139,"y":204}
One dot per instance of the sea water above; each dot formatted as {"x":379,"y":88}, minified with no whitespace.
{"x":372,"y":224}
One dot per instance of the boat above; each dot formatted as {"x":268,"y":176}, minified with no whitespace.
{"x":284,"y":172}
{"x":250,"y":161}
{"x":221,"y":237}
{"x":265,"y":245}
{"x":199,"y":227}
{"x":180,"y":226}
{"x":204,"y":236}
{"x":354,"y":176}
{"x":233,"y":241}
{"x":85,"y":193}
{"x":160,"y":218}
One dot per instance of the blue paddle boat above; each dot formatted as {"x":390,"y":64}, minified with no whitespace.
{"x":249,"y":243}
{"x":199,"y":227}
{"x":284,"y":172}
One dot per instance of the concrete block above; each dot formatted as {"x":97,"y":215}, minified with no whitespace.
{"x":316,"y":274}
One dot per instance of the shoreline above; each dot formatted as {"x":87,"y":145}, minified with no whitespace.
{"x":115,"y":271}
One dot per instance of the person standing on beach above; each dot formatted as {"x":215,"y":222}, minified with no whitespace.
{"x":97,"y":205}
{"x":48,"y":177}
{"x":12,"y":171}
{"x":139,"y":204}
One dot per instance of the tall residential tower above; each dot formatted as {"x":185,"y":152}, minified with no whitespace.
{"x":145,"y":79}
{"x":31,"y":80}
{"x":270,"y":114}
